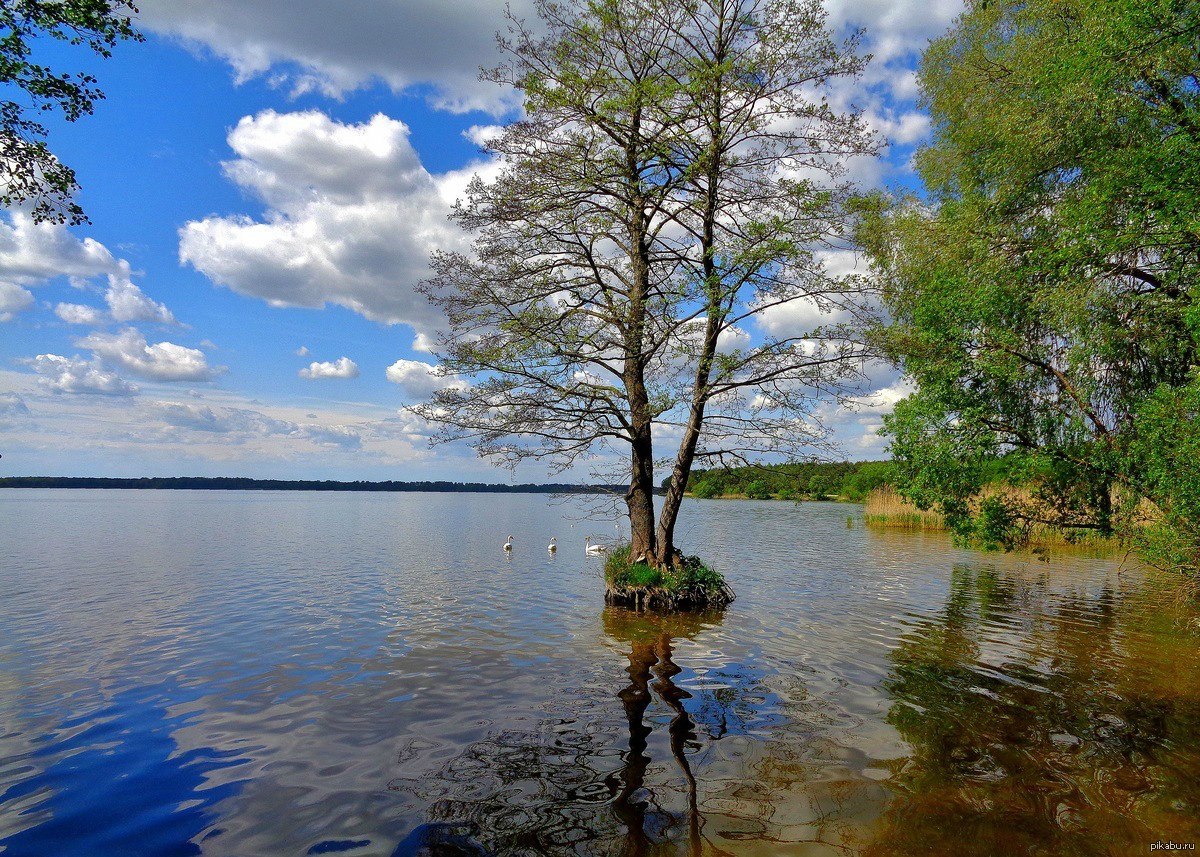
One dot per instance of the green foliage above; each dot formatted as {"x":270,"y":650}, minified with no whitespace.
{"x":758,"y":490}
{"x":1164,"y":451}
{"x":851,"y":480}
{"x":1041,"y":296}
{"x":688,"y":582}
{"x":31,"y":174}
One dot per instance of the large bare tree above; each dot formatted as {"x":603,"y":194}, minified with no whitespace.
{"x":677,"y":175}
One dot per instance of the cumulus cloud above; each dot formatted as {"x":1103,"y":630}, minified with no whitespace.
{"x":80,"y":314}
{"x":126,"y":303}
{"x":162,"y":361}
{"x":13,"y":299}
{"x":343,"y":367}
{"x":33,"y":254}
{"x":302,"y":351}
{"x":220,"y":420}
{"x":797,"y":318}
{"x":421,"y":380}
{"x":352,"y":217}
{"x":58,"y":374}
{"x":333,"y":46}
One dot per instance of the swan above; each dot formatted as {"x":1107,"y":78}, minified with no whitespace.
{"x":508,"y":544}
{"x":593,"y":550}
{"x":552,"y":547}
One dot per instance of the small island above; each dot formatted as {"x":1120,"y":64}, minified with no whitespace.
{"x":684,"y":584}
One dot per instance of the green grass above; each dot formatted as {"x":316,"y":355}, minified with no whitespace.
{"x":689,"y":584}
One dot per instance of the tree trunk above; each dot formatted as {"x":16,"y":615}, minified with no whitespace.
{"x":679,"y":480}
{"x":640,"y":497}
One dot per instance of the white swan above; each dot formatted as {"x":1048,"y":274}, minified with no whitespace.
{"x":593,"y":550}
{"x":508,"y":544}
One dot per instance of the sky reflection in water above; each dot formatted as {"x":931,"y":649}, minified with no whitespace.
{"x":211,"y":673}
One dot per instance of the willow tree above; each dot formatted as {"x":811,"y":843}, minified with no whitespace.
{"x":677,"y":176}
{"x":1042,"y":296}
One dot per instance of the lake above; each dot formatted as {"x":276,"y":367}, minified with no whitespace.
{"x":290,"y":673}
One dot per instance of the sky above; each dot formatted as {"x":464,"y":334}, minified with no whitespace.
{"x":265,"y":182}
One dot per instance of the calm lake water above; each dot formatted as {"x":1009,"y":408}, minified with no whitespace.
{"x":368,"y":674}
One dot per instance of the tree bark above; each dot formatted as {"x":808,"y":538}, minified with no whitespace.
{"x":640,"y":497}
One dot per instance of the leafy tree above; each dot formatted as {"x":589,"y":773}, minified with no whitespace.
{"x":29,"y":173}
{"x":674,"y":177}
{"x":758,"y":490}
{"x":1039,"y":294}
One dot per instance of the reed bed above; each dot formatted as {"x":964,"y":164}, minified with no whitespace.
{"x":885,"y":508}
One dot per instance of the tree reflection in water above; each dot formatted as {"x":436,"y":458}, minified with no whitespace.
{"x":573,"y":787}
{"x":1028,"y":714}
{"x":1044,"y":722}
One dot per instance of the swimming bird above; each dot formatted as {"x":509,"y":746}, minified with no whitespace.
{"x":552,"y":547}
{"x":508,"y":544}
{"x":593,"y":550}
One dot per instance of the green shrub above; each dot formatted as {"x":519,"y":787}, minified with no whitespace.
{"x":688,"y":584}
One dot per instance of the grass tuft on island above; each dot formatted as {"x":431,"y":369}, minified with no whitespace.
{"x":688,"y":585}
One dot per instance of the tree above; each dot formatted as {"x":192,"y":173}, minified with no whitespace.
{"x":1040,"y":293}
{"x":29,"y":173}
{"x":675,"y":176}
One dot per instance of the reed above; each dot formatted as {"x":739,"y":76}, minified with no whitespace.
{"x":887,"y":509}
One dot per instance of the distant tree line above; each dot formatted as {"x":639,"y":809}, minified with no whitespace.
{"x":848,"y":480}
{"x":228,"y":483}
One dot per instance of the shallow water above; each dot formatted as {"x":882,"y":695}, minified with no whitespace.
{"x":368,"y":674}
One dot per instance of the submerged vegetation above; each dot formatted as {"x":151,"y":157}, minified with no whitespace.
{"x":686,"y":584}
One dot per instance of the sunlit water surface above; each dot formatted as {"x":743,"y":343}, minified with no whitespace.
{"x":368,"y":674}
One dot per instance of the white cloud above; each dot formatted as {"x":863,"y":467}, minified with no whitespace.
{"x":895,"y":29}
{"x":352,"y":217}
{"x":796,"y":318}
{"x":13,"y":299}
{"x":240,"y":424}
{"x":12,"y":405}
{"x":343,"y":367}
{"x":31,"y":253}
{"x":59,"y":374}
{"x":334,"y":46}
{"x":220,"y":420}
{"x":883,"y":401}
{"x":162,"y":361}
{"x":126,"y":302}
{"x":346,"y":437}
{"x":421,"y":380}
{"x":81,"y":314}
{"x":302,"y":351}
{"x":480,"y":135}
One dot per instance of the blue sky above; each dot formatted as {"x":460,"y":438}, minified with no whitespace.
{"x":268,"y":178}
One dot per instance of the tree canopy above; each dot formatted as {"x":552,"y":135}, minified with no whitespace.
{"x":676,"y":175}
{"x":30,"y":175}
{"x":1042,"y":293}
